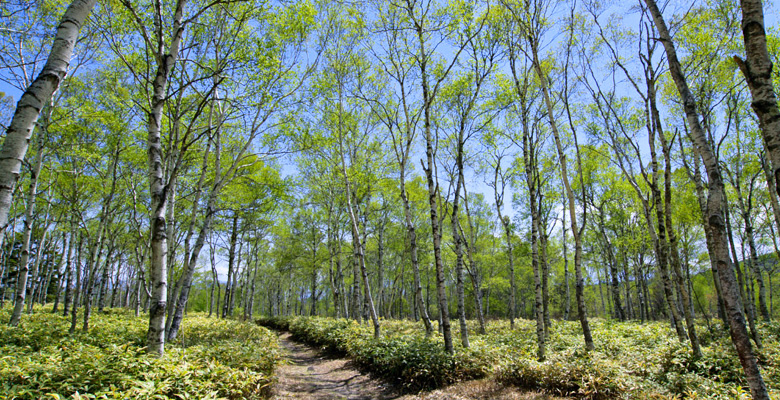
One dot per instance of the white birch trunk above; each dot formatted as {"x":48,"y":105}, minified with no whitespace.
{"x":719,"y":245}
{"x":757,"y":68}
{"x":37,"y":95}
{"x":24,"y":262}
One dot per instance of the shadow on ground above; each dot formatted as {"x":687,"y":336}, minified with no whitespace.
{"x":309,"y":374}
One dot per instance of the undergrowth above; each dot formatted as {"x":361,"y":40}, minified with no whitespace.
{"x":631,"y":360}
{"x":211,"y":359}
{"x":403,"y":353}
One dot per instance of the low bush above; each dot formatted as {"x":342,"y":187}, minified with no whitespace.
{"x":281,"y":323}
{"x":631,"y":360}
{"x":403,"y":353}
{"x":211,"y":359}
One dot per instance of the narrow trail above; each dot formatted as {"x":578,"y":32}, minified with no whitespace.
{"x":310,"y":375}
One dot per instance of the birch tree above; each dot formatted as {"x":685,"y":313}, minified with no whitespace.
{"x":422,"y":20}
{"x":757,"y":68}
{"x":716,"y":191}
{"x":35,"y":98}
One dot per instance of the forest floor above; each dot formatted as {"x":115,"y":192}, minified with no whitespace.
{"x":309,"y":374}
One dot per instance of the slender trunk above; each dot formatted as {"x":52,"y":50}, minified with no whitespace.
{"x":565,"y":249}
{"x":93,"y":257}
{"x":357,"y":246}
{"x":92,"y":269}
{"x":155,"y":338}
{"x":60,"y":271}
{"x":116,"y":287}
{"x":689,"y":282}
{"x":747,"y":272}
{"x":695,"y":176}
{"x":662,"y":252}
{"x":138,"y":286}
{"x":630,"y":312}
{"x":3,"y":266}
{"x":33,"y":100}
{"x":363,"y":225}
{"x":617,"y":307}
{"x":762,"y":303}
{"x":510,"y":259}
{"x":601,"y":292}
{"x":748,"y":304}
{"x":189,"y":271}
{"x":674,"y":253}
{"x":77,"y":289}
{"x":641,"y":290}
{"x":659,"y":234}
{"x":355,"y":299}
{"x":529,"y":158}
{"x":191,"y":255}
{"x":96,"y":251}
{"x":580,"y":282}
{"x":251,"y":302}
{"x":773,"y":196}
{"x":380,"y":252}
{"x":236,"y":273}
{"x":104,"y":282}
{"x":433,"y":191}
{"x":771,"y":296}
{"x":473,"y":271}
{"x":757,"y":68}
{"x":35,"y":281}
{"x":142,"y":289}
{"x":229,"y":282}
{"x":24,"y":261}
{"x":160,"y":188}
{"x":332,"y":255}
{"x":458,"y":239}
{"x":505,"y":222}
{"x":745,"y":205}
{"x":340,"y":282}
{"x":214,"y":281}
{"x":544,"y":267}
{"x":719,"y":250}
{"x":677,"y":267}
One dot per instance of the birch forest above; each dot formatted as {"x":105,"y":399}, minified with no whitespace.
{"x":567,"y":199}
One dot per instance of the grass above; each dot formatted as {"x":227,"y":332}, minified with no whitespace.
{"x":211,"y":359}
{"x":631,"y":360}
{"x":215,"y":358}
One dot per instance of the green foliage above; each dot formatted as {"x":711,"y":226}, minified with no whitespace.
{"x":404,"y":353}
{"x":211,"y":359}
{"x":631,"y":360}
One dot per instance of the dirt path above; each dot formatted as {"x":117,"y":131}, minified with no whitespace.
{"x":310,"y":375}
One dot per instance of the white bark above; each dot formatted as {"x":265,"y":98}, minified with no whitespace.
{"x":715,"y":202}
{"x":38,"y":94}
{"x":24,"y":262}
{"x":160,"y":186}
{"x":757,"y":68}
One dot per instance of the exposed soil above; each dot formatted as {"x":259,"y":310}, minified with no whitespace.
{"x":309,"y":374}
{"x":484,"y":389}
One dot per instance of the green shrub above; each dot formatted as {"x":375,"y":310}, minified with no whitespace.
{"x":281,"y":323}
{"x":403,"y":353}
{"x":631,"y":360}
{"x":210,"y":359}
